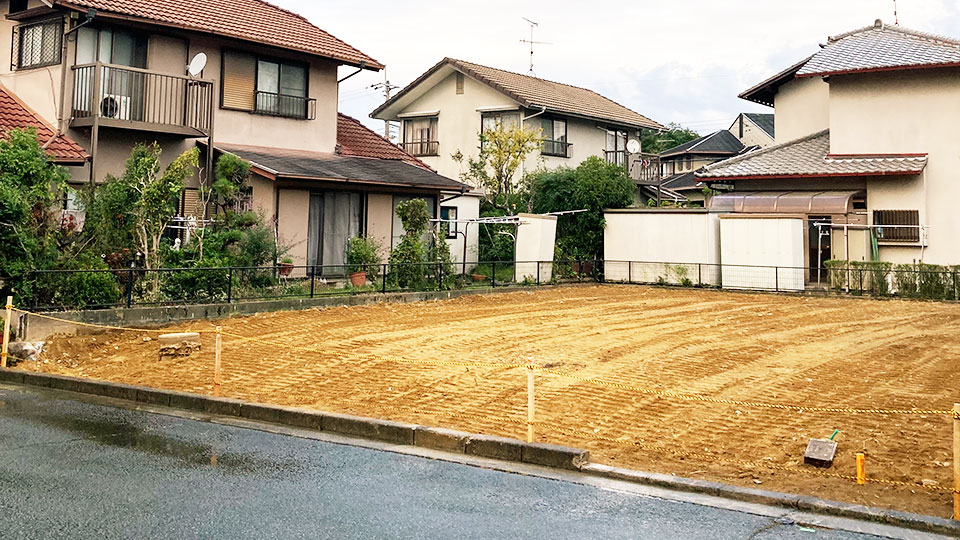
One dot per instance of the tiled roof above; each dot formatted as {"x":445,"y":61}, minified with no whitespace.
{"x":764,"y":92}
{"x":355,"y":139}
{"x":16,"y":114}
{"x":248,"y":20}
{"x":681,"y":182}
{"x":766,"y":122}
{"x":810,"y":157}
{"x":304,"y":166}
{"x":879,"y":48}
{"x":536,"y":93}
{"x":719,"y":142}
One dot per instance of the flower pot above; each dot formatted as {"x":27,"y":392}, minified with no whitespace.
{"x":358,"y":279}
{"x":284,"y":269}
{"x":478,"y":277}
{"x":583,"y":268}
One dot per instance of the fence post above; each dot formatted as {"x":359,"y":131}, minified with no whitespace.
{"x":860,"y":279}
{"x":861,"y":470}
{"x":216,"y":362}
{"x":313,"y":279}
{"x":440,"y":273}
{"x":6,"y":333}
{"x":700,"y":274}
{"x":383,"y":286}
{"x":776,"y":278}
{"x":629,"y":271}
{"x":229,"y":284}
{"x":538,"y":273}
{"x":530,"y":402}
{"x":597,"y":274}
{"x":493,"y":278}
{"x":956,"y":461}
{"x":130,"y":287}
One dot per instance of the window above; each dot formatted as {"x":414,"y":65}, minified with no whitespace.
{"x":420,"y":136}
{"x":616,"y":149}
{"x":459,"y":83}
{"x":504,"y":119}
{"x":37,"y":44}
{"x":449,"y":213}
{"x":266,"y":86}
{"x":111,"y":46}
{"x":897,"y":225}
{"x":554,"y":137}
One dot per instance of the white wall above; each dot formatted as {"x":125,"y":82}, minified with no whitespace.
{"x":636,"y":244}
{"x":536,"y":239}
{"x":468,"y":207}
{"x":750,"y":242}
{"x":802,"y":107}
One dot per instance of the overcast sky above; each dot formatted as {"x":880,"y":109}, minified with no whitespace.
{"x":679,"y":61}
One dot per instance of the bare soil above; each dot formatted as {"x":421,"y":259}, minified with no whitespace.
{"x":807,"y":351}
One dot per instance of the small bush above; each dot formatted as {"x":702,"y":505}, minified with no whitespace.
{"x":202,"y":283}
{"x":933,"y":281}
{"x":837,"y":271}
{"x":363,"y":255}
{"x":905,"y":279}
{"x":875,"y":275}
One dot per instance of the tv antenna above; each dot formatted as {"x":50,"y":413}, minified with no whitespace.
{"x":896,"y":19}
{"x":532,"y":42}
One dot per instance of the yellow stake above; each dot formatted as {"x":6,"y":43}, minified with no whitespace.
{"x":956,"y":461}
{"x":216,"y":362}
{"x":861,"y":473}
{"x":530,"y":402}
{"x":6,"y":333}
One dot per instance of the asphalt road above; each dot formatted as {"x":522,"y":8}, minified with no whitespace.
{"x":71,"y":469}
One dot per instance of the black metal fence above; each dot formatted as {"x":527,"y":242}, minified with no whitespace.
{"x":96,"y":289}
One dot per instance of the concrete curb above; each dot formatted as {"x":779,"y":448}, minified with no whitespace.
{"x":488,"y":446}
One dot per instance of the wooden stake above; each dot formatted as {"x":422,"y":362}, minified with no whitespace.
{"x":956,"y":461}
{"x":6,"y":333}
{"x":861,"y":473}
{"x":530,"y":403}
{"x":216,"y":362}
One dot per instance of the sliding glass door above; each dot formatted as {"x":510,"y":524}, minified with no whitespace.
{"x":334,"y":219}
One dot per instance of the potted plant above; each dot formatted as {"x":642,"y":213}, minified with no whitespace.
{"x":363,"y":259}
{"x":285,"y":266}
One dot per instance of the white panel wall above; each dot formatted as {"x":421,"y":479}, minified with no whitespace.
{"x":662,"y":246}
{"x":747,"y":244}
{"x":536,"y":238}
{"x":468,"y":207}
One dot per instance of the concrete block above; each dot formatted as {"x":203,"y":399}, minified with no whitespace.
{"x":59,"y":382}
{"x":86,"y":386}
{"x":369,"y":428}
{"x":222,"y":406}
{"x":153,"y":396}
{"x":494,"y":447}
{"x":440,"y":439}
{"x":820,"y":453}
{"x":260,"y":412}
{"x":550,"y":455}
{"x":36,"y":379}
{"x":189,"y":402}
{"x":303,"y":418}
{"x":117,"y":390}
{"x":11,"y":376}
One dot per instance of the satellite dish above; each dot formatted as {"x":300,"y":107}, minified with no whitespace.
{"x":633,"y":146}
{"x":197,"y":64}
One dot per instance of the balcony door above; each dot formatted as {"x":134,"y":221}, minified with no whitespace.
{"x":334,"y":218}
{"x":122,"y":92}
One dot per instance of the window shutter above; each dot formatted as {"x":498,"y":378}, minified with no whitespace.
{"x":239,"y":80}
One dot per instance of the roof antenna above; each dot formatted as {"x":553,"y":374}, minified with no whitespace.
{"x":896,"y":19}
{"x":532,"y":42}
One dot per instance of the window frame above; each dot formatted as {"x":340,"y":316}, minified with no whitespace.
{"x":906,"y":233}
{"x":432,"y":144}
{"x":565,"y":144}
{"x":309,"y":112}
{"x":452,"y":230}
{"x":17,"y":38}
{"x":616,"y":150}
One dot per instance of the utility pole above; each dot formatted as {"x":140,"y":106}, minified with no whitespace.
{"x":532,"y":42}
{"x":387,"y":90}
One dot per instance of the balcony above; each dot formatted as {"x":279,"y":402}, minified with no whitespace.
{"x":645,"y":169}
{"x":285,"y":106}
{"x":555,"y":148}
{"x":422,"y":148}
{"x":131,"y":98}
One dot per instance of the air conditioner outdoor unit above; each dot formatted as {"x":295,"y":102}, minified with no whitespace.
{"x":114,"y":106}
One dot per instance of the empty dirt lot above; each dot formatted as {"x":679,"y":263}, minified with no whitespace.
{"x":811,"y":352}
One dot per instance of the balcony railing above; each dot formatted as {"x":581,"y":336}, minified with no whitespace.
{"x":422,"y":148}
{"x":133,"y":98}
{"x":286,"y":106}
{"x":555,"y":148}
{"x":645,"y":170}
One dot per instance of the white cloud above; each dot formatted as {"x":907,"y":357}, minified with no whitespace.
{"x":675,"y":61}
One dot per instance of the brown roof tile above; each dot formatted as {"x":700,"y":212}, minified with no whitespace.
{"x":16,"y":114}
{"x":810,"y":157}
{"x":355,"y":139}
{"x":249,"y":20}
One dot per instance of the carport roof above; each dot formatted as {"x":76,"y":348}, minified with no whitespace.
{"x":279,"y":163}
{"x":786,"y":202}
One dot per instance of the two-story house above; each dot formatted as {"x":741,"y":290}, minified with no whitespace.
{"x":754,"y":129}
{"x":678,"y":165}
{"x":444,"y":110}
{"x":867,"y":133}
{"x":241,"y":76}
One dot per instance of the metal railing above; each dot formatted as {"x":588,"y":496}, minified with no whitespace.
{"x":422,"y":148}
{"x":555,"y":148}
{"x":285,"y":106}
{"x":145,"y":99}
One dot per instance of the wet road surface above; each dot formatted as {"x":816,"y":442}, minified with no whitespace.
{"x":71,"y":469}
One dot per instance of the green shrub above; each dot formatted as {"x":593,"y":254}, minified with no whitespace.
{"x":905,"y":279}
{"x":933,"y":281}
{"x":363,"y":255}
{"x":406,"y":260}
{"x":78,"y":290}
{"x":837,"y":271}
{"x":200,"y":283}
{"x":875,"y":276}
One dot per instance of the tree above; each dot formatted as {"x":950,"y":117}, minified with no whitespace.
{"x":594,"y":185}
{"x":654,"y":142}
{"x":29,"y":186}
{"x":503,"y":150}
{"x":407,"y":258}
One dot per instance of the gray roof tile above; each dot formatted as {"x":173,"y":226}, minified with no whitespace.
{"x":810,"y":157}
{"x":718,"y":142}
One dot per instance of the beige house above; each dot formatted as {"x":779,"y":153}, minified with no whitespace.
{"x":679,"y":164}
{"x":444,"y":110}
{"x":867,"y":133}
{"x":244,"y":75}
{"x":754,"y":129}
